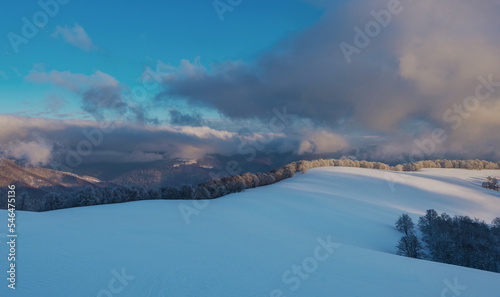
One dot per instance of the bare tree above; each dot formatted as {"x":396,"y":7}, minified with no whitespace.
{"x":409,"y":246}
{"x":405,"y":225}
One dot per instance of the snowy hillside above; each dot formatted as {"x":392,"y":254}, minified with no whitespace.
{"x":38,"y":177}
{"x":38,"y":181}
{"x":329,"y":232}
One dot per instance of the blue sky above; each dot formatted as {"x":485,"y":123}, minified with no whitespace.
{"x":128,"y":35}
{"x":412,"y":70}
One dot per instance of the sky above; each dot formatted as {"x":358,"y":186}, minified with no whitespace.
{"x":402,"y":79}
{"x":122,"y":38}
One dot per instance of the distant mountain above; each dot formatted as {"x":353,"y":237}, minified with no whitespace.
{"x":176,"y":172}
{"x":171,"y":172}
{"x":38,"y":181}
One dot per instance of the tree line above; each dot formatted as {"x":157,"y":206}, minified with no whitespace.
{"x":93,"y":195}
{"x":457,"y":240}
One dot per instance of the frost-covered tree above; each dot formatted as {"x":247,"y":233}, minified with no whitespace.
{"x":496,"y":223}
{"x":461,"y":240}
{"x":409,"y":246}
{"x":187,"y":192}
{"x":491,"y":183}
{"x":32,"y":203}
{"x":398,"y":168}
{"x":303,"y":166}
{"x":404,"y":224}
{"x":88,"y":196}
{"x":20,"y":199}
{"x":426,"y":223}
{"x":447,"y":164}
{"x":201,"y":193}
{"x":171,"y":193}
{"x":54,"y":201}
{"x":155,"y":194}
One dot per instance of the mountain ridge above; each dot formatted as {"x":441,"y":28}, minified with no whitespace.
{"x":40,"y":181}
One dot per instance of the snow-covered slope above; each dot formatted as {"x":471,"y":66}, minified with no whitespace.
{"x":38,"y":181}
{"x":328,"y":232}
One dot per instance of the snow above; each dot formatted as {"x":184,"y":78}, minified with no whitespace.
{"x":243,"y":244}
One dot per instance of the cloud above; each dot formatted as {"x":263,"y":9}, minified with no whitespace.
{"x":321,"y":142}
{"x":185,"y":119}
{"x":27,"y":138}
{"x":54,"y":104}
{"x":101,"y":94}
{"x":424,"y":62}
{"x":16,"y":71}
{"x":3,"y":75}
{"x":35,"y":152}
{"x":75,"y":36}
{"x":75,"y":82}
{"x":185,"y":70}
{"x":398,"y":88}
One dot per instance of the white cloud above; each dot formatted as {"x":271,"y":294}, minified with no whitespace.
{"x":35,"y":152}
{"x":321,"y":142}
{"x":75,"y":36}
{"x":75,"y":82}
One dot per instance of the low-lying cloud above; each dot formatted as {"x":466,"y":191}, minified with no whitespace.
{"x":40,"y":141}
{"x":33,"y":152}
